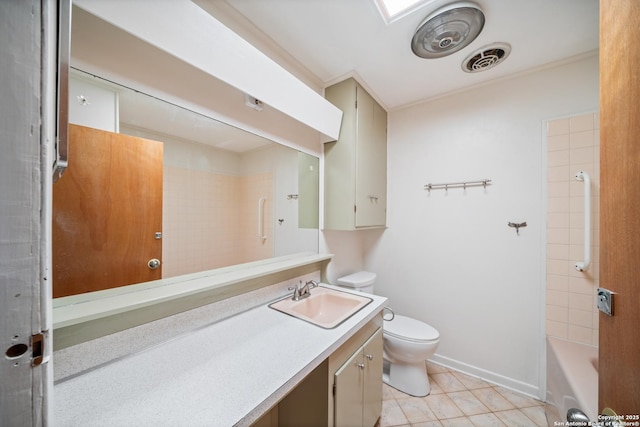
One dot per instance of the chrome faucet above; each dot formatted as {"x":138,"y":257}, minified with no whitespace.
{"x":301,"y":291}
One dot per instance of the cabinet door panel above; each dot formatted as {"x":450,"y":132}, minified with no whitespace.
{"x":372,"y":394}
{"x":348,"y":382}
{"x":371,"y":162}
{"x":356,"y":164}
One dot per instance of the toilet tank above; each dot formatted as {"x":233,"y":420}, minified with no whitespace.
{"x":361,"y":281}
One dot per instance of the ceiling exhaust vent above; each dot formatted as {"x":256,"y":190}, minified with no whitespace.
{"x":486,"y":57}
{"x":447,"y":30}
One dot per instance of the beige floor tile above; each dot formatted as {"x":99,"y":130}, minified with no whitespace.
{"x":486,"y":420}
{"x":428,"y":424}
{"x":392,"y":415}
{"x":442,"y":406}
{"x":536,"y":414}
{"x":518,"y":400}
{"x":448,"y":382}
{"x":387,"y":392}
{"x":468,"y":403}
{"x":469,"y":381}
{"x":416,"y":410}
{"x":515,"y":418}
{"x":460,"y":400}
{"x":433,"y":368}
{"x":394,"y":392}
{"x":492,"y":399}
{"x":435,"y":388}
{"x":457,"y":422}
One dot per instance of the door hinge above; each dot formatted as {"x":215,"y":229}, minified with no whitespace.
{"x":37,"y":349}
{"x":334,"y":389}
{"x":355,"y":208}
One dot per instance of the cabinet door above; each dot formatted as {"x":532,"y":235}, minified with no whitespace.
{"x":340,"y":161}
{"x":348,"y":381}
{"x":371,"y":162}
{"x":372,"y":393}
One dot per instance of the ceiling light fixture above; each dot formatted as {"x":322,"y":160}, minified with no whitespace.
{"x":447,"y":30}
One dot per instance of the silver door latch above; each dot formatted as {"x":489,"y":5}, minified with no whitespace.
{"x":605,"y":301}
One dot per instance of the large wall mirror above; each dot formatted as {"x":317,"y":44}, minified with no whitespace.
{"x":228,"y":196}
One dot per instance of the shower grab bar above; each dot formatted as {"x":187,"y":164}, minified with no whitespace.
{"x":464,"y":184}
{"x":261,"y":234}
{"x":584,"y":265}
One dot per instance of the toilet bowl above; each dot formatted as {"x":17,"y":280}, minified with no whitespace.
{"x":408,"y":343}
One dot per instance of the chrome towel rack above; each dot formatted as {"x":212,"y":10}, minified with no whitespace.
{"x":464,"y":184}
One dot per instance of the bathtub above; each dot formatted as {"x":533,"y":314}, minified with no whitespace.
{"x":572,"y":380}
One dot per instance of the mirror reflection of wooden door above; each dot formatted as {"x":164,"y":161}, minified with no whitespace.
{"x":107,"y":209}
{"x":619,"y":338}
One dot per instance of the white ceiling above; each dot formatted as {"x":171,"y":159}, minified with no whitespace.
{"x":335,"y":39}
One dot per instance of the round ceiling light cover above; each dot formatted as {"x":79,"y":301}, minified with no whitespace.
{"x":447,"y":30}
{"x":486,"y":57}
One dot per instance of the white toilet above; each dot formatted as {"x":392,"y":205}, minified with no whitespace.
{"x":408,"y":343}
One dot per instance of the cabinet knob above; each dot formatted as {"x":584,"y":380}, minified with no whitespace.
{"x":369,"y":356}
{"x":373,"y":198}
{"x":360,"y":365}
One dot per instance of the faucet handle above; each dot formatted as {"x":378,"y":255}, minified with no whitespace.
{"x":312,"y":284}
{"x":296,"y":291}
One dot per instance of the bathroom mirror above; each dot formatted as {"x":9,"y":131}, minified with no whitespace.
{"x":228,"y":196}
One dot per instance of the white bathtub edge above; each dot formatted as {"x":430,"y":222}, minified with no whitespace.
{"x":572,"y":377}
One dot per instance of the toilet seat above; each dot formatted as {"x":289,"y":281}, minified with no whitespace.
{"x":406,"y":328}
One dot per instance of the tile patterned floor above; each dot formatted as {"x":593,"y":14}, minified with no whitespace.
{"x":460,"y":400}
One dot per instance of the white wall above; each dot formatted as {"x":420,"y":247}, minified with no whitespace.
{"x":282,"y":162}
{"x":99,"y":111}
{"x":449,"y":258}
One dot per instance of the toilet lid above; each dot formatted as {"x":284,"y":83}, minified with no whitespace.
{"x":408,"y":328}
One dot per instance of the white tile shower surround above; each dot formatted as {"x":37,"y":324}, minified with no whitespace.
{"x":459,"y":400}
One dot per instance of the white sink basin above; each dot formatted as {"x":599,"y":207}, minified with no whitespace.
{"x":325,"y":307}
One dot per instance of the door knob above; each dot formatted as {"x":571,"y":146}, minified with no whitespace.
{"x":153,"y":263}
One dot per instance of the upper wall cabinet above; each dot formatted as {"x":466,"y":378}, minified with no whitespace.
{"x":356,"y":164}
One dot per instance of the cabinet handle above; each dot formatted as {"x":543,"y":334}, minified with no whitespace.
{"x":360,"y":365}
{"x":373,"y":198}
{"x":369,"y":356}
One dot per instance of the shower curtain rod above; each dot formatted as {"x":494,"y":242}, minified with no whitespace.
{"x":463,"y":184}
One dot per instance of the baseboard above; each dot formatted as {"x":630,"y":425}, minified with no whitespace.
{"x":488,"y":376}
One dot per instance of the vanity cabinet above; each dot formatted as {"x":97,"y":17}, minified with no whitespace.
{"x":345,"y":390}
{"x":358,"y":386}
{"x":355,"y":166}
{"x":355,"y":383}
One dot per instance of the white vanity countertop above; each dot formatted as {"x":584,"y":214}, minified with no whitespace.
{"x":225,"y":374}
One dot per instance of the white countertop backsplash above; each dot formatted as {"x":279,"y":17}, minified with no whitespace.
{"x":226,"y":373}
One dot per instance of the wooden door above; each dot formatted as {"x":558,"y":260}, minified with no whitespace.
{"x":107,"y":208}
{"x":619,"y":368}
